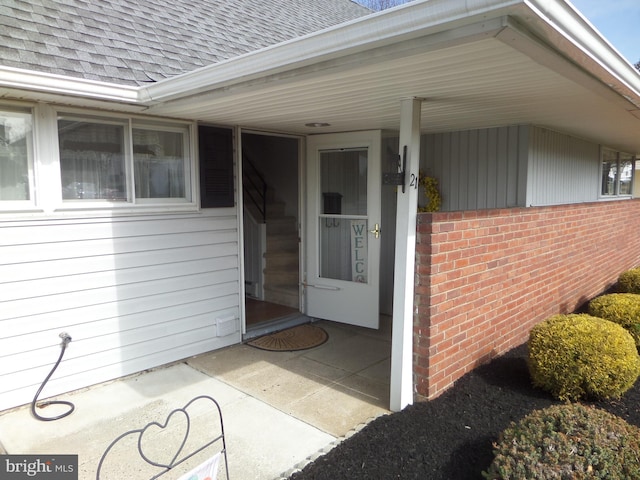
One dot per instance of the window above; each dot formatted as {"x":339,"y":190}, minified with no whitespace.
{"x":626,"y":174}
{"x":159,"y":161}
{"x":121,"y":161}
{"x":617,"y":173}
{"x":16,"y":155}
{"x":92,"y":160}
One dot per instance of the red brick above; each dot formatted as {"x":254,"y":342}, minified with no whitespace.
{"x":490,"y":275}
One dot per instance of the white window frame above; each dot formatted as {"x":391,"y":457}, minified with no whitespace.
{"x":187,"y":154}
{"x":44,"y":168}
{"x":126,"y":126}
{"x":618,"y":155}
{"x":133,"y":204}
{"x":30,"y":203}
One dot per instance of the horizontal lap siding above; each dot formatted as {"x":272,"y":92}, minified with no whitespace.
{"x":484,"y":278}
{"x":134,"y":293}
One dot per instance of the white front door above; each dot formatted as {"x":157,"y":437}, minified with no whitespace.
{"x":343,"y":228}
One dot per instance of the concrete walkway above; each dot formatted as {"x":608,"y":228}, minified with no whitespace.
{"x":280,"y":409}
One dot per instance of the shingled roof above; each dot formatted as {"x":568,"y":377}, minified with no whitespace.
{"x":135,"y":42}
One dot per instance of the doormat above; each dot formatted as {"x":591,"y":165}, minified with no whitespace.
{"x":292,"y":339}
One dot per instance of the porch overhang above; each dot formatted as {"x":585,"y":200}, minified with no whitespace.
{"x":478,"y":63}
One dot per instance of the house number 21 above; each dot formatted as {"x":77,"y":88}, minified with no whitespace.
{"x":414,"y":181}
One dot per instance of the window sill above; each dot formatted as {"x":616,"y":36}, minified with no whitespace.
{"x":609,"y":198}
{"x":111,"y":209}
{"x":97,"y":211}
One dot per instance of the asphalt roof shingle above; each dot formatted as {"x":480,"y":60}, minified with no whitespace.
{"x":131,"y":43}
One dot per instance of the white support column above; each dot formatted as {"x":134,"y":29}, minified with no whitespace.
{"x":401,"y":393}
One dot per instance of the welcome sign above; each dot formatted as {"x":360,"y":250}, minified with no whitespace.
{"x":359,"y":249}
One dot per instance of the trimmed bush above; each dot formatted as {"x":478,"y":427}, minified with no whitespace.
{"x":568,"y":441}
{"x":620,"y":308}
{"x":629,"y":281}
{"x":574,"y":356}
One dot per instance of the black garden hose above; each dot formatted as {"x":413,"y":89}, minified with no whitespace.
{"x":65,"y":341}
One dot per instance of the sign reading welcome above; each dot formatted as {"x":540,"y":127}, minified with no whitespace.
{"x":359,"y":239}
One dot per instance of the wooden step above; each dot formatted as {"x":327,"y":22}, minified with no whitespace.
{"x":282,"y":226}
{"x":281,"y":277}
{"x":282,"y":243}
{"x":288,"y":260}
{"x":282,"y":295}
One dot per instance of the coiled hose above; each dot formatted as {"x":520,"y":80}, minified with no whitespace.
{"x":66,"y":338}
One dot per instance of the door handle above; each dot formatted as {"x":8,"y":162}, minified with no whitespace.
{"x":376,"y":231}
{"x":322,"y":287}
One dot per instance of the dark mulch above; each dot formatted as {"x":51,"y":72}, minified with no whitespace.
{"x":449,"y":438}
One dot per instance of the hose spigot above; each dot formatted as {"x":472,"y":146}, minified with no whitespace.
{"x":66,"y":338}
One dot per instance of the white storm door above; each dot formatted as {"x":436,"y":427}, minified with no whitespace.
{"x":343,"y":228}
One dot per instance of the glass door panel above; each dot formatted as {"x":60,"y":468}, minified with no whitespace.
{"x":343,"y":219}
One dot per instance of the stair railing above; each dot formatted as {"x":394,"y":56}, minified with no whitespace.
{"x":254,"y":186}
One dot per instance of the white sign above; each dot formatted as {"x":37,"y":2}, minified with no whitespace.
{"x":359,"y":251}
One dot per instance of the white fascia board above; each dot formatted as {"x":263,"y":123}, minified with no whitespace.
{"x":402,"y":23}
{"x":20,"y":79}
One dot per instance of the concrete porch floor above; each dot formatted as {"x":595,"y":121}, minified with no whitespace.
{"x":280,"y":409}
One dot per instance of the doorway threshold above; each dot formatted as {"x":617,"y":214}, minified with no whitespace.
{"x":275,"y":325}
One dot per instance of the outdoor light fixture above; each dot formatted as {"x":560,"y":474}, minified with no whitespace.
{"x":317,"y":124}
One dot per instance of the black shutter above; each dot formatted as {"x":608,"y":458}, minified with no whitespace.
{"x":216,"y":166}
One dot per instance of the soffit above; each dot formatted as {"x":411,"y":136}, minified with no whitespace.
{"x":481,"y":83}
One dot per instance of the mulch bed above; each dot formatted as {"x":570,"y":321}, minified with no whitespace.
{"x":449,"y":438}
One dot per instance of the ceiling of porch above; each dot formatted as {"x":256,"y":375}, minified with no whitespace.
{"x":488,"y":75}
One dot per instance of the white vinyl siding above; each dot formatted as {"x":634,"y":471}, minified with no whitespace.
{"x":562,"y":169}
{"x":133,"y":293}
{"x":478,"y":169}
{"x":508,"y":167}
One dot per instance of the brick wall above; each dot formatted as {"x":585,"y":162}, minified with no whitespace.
{"x":484,"y":278}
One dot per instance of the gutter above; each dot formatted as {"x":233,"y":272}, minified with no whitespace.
{"x":22,"y":79}
{"x":577,"y":38}
{"x":409,"y":21}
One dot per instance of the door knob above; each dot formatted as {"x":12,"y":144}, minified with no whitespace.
{"x":376,"y":231}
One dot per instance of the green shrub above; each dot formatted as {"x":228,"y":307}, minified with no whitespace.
{"x":574,"y":356}
{"x":568,"y":441}
{"x":620,"y":308}
{"x":629,"y":281}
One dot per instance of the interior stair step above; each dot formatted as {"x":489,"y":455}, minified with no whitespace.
{"x":283,"y":295}
{"x":275,"y":208}
{"x":282,"y":243}
{"x":282,"y":260}
{"x":282,"y":277}
{"x":281,"y":226}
